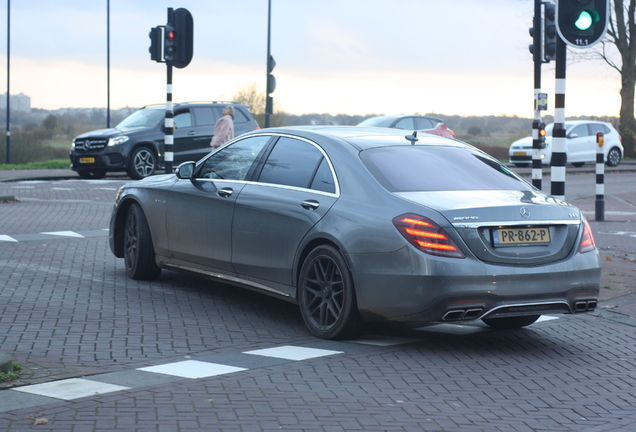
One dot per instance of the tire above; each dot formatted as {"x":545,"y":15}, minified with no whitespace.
{"x":139,"y":253}
{"x":578,"y":164}
{"x":522,"y":165}
{"x":92,"y":174}
{"x":326,"y":295}
{"x":143,"y":163}
{"x":613,"y":157}
{"x":510,"y":323}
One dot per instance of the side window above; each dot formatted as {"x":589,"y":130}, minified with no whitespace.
{"x":183,"y":119}
{"x":292,"y":163}
{"x":323,"y":180}
{"x":580,"y":130}
{"x":405,"y":123}
{"x":204,"y":116}
{"x":424,"y":123}
{"x":239,"y":116}
{"x":596,"y":127}
{"x":234,"y":161}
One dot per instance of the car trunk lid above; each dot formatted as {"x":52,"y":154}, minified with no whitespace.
{"x":507,"y":226}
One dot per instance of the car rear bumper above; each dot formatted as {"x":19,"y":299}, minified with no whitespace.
{"x":404,"y":286}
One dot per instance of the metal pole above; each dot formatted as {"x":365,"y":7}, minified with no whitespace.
{"x":8,"y":156}
{"x":537,"y":54}
{"x":559,"y":144}
{"x":168,"y":129}
{"x":600,"y":177}
{"x":108,"y":64}
{"x":169,"y":124}
{"x":268,"y":103}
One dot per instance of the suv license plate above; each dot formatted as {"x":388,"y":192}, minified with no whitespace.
{"x":520,"y":236}
{"x":86,"y":160}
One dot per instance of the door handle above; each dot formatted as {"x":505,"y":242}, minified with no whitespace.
{"x":225,"y":192}
{"x":192,"y":133}
{"x":310,"y":204}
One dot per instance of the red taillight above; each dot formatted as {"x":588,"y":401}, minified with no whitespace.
{"x":587,"y":242}
{"x":427,"y":236}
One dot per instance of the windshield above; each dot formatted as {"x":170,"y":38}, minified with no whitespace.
{"x":417,"y":168}
{"x":377,"y":121}
{"x":142,"y":118}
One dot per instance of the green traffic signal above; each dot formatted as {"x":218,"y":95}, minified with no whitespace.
{"x":584,"y":21}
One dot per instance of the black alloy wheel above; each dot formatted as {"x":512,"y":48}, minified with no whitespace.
{"x":139,"y":253}
{"x":510,"y":323}
{"x":327,"y":297}
{"x":143,"y":163}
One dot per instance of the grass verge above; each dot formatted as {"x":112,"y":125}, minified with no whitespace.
{"x":51,"y":164}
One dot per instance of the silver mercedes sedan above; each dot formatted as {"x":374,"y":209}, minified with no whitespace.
{"x":359,"y":225}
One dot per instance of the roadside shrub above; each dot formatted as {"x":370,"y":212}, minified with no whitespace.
{"x":27,"y":145}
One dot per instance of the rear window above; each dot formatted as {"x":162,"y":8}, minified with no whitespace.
{"x":418,"y":168}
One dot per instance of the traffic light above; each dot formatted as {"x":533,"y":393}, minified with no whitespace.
{"x":542,"y":134}
{"x":271,"y":86}
{"x":271,"y":80}
{"x":169,"y":44}
{"x":549,"y":32}
{"x":582,"y":23}
{"x":155,"y":44}
{"x":179,"y":38}
{"x":531,"y":46}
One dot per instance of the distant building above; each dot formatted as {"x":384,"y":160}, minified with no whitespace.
{"x":19,"y":102}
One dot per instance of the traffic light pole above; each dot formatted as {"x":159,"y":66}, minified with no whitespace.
{"x":269,"y":101}
{"x":559,"y":145}
{"x":8,"y":143}
{"x":169,"y":123}
{"x":537,"y":55}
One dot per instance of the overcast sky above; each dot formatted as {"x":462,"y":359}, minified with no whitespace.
{"x":465,"y":57}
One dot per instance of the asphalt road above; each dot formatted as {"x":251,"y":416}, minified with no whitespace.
{"x":101,"y":352}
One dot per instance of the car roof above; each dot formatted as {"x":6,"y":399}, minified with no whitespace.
{"x":163,"y":105}
{"x":578,"y":122}
{"x":395,"y":116}
{"x":365,"y":137}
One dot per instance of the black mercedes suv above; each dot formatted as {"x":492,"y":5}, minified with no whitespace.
{"x":136,"y":144}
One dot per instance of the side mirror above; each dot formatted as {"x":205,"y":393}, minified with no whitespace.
{"x":573,"y":135}
{"x":185,"y":170}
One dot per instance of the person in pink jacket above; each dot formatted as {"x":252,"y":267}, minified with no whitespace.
{"x":224,"y":128}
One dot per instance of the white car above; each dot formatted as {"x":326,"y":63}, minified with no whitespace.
{"x":581,"y":145}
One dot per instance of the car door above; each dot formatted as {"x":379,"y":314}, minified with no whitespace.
{"x":200,"y":210}
{"x":578,"y":144}
{"x":205,"y":118}
{"x":295,"y":189}
{"x":184,"y":135}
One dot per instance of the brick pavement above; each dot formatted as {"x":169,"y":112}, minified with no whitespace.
{"x":67,"y":309}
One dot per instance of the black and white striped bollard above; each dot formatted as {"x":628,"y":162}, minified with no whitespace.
{"x":600,"y":177}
